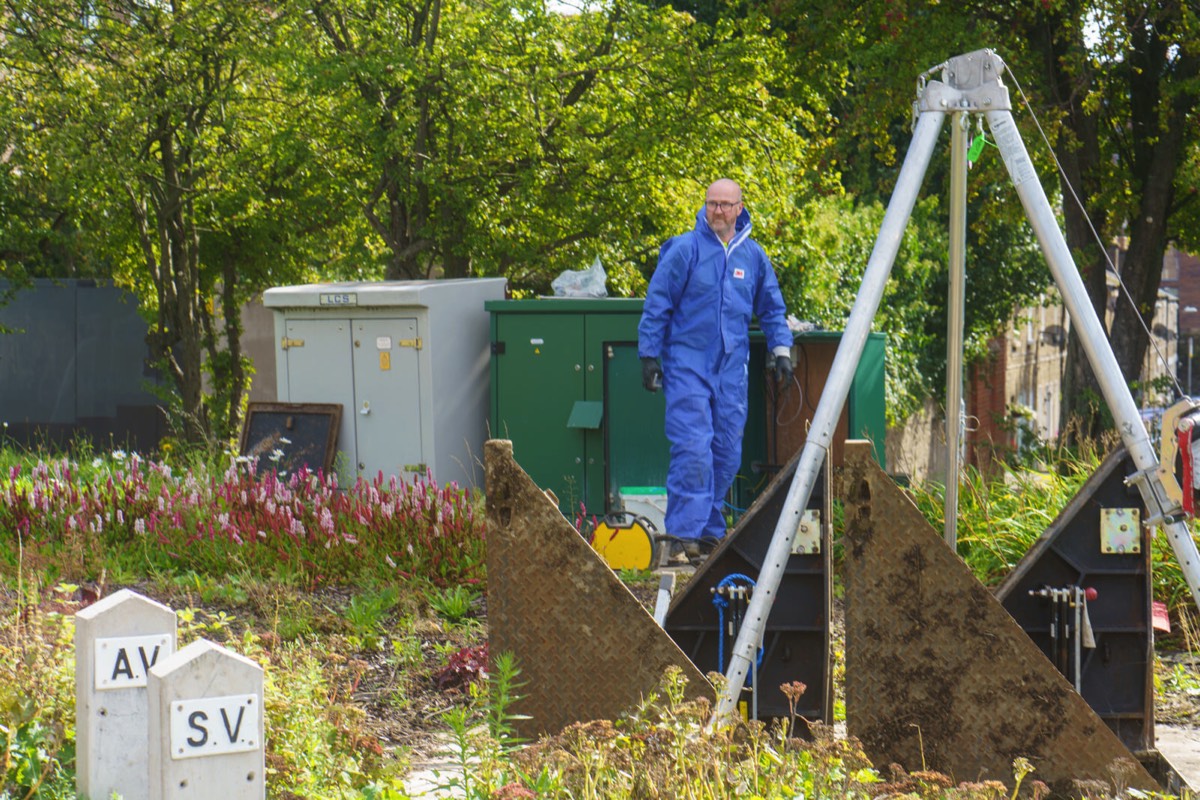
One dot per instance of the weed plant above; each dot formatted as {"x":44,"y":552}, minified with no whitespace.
{"x":453,"y":603}
{"x":483,"y":740}
{"x":37,"y":705}
{"x":1001,"y":516}
{"x":367,"y":615}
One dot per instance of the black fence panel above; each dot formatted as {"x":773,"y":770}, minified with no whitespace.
{"x":77,"y":364}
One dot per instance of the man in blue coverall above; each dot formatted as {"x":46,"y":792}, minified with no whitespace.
{"x":696,"y":320}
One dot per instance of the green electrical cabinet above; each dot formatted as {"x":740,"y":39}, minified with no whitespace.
{"x":566,"y":389}
{"x":555,"y":363}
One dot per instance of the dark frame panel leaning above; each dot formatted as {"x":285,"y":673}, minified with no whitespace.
{"x":304,"y":434}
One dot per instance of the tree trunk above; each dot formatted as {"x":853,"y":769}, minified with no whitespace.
{"x":1158,"y":125}
{"x":1156,"y":130}
{"x":1078,"y":150}
{"x":170,"y":246}
{"x":229,"y":379}
{"x":236,"y":383}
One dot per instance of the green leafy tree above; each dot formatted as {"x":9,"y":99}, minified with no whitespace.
{"x":848,"y":60}
{"x":1128,"y":102}
{"x":161,"y":133}
{"x":1114,"y":84}
{"x":39,"y":233}
{"x":509,"y":139}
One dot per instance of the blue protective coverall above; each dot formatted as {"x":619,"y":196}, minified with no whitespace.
{"x":697,"y":320}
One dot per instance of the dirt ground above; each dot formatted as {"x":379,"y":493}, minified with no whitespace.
{"x":1177,"y":715}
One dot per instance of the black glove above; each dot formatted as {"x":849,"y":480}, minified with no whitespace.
{"x":651,"y":374}
{"x":783,"y":369}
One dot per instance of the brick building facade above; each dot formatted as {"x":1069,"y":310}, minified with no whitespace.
{"x":1014,"y":397}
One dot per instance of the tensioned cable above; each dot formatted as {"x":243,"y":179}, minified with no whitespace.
{"x":1112,"y":268}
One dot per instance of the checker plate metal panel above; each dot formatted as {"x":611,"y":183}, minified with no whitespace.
{"x":937,"y":672}
{"x":586,"y":647}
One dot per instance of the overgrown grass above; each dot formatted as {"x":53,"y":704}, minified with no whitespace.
{"x":317,"y":745}
{"x":654,"y":751}
{"x":1001,"y":516}
{"x":37,"y":705}
{"x":223,"y":533}
{"x":663,"y":748}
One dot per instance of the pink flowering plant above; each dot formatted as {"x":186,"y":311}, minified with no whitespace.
{"x":70,"y":516}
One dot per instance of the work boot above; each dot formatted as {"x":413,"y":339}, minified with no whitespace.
{"x":697,"y":550}
{"x":674,"y":552}
{"x":680,"y":553}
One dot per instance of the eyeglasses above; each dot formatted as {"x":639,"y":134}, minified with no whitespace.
{"x":719,"y":205}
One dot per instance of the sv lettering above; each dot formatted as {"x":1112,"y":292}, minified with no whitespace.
{"x":233,"y":734}
{"x":193,"y":719}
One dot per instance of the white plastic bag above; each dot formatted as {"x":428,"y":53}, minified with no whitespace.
{"x":581,"y":283}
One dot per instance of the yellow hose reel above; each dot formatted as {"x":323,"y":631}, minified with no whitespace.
{"x":626,"y":541}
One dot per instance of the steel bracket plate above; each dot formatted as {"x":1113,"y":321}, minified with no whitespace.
{"x":808,"y":533}
{"x":1120,"y":531}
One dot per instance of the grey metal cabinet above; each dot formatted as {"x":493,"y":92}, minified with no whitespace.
{"x":407,"y":361}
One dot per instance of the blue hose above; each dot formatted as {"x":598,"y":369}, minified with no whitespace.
{"x":721,"y":603}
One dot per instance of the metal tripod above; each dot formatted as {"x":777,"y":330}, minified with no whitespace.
{"x":971,"y":85}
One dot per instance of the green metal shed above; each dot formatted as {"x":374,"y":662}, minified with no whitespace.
{"x":566,"y":388}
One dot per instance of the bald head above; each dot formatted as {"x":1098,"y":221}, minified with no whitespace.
{"x":722,"y":204}
{"x":724,"y":187}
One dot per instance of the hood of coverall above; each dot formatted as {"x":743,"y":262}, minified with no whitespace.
{"x":741,"y":227}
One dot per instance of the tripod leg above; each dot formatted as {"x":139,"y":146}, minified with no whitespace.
{"x":1087,"y":326}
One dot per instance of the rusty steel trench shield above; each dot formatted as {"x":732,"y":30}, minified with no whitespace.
{"x":586,"y":647}
{"x":938,"y":674}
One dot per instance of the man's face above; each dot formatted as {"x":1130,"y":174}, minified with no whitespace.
{"x":722,"y":204}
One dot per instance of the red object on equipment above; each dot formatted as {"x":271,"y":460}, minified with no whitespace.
{"x":1090,"y":594}
{"x":1158,"y":614}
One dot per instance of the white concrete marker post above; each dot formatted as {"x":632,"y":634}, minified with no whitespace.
{"x":117,"y":640}
{"x":206,"y":726}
